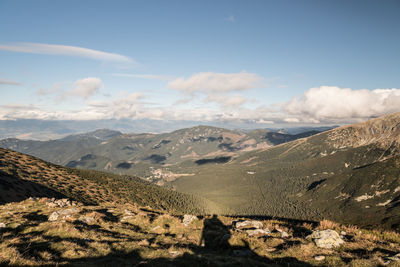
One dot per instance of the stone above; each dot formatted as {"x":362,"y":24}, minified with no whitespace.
{"x":284,"y":234}
{"x":188,"y":219}
{"x":326,"y":239}
{"x":86,"y":219}
{"x":62,"y":214}
{"x":129,"y":213}
{"x":319,"y":258}
{"x":395,"y":257}
{"x":174,"y":253}
{"x":2,"y":225}
{"x":258,"y":232}
{"x":125,"y":218}
{"x":248,"y":224}
{"x":144,"y":242}
{"x":242,"y":252}
{"x":54,"y":216}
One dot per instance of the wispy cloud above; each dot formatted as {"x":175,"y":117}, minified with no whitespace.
{"x":83,"y":88}
{"x":86,"y":87}
{"x":230,"y":18}
{"x":52,"y":49}
{"x":8,"y":82}
{"x":144,"y":76}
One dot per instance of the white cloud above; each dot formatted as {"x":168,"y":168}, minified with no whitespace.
{"x":334,"y":104}
{"x":291,"y":120}
{"x":86,"y":87}
{"x":227,"y":101}
{"x":213,"y":82}
{"x":144,"y":76}
{"x":322,"y":105}
{"x":8,"y":82}
{"x":52,"y":49}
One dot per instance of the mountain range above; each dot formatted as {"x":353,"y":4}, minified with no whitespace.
{"x":348,"y":174}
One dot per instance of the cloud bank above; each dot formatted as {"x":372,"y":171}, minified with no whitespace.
{"x":334,"y":104}
{"x":320,"y":105}
{"x":52,"y":49}
{"x":8,"y":82}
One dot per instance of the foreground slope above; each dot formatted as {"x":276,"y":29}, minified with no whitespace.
{"x":23,"y":176}
{"x":45,"y":232}
{"x":350,"y":174}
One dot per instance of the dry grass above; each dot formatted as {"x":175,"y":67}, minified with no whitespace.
{"x":327,"y":224}
{"x":161,"y":239}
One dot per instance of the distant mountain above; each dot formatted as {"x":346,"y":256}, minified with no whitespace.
{"x":44,"y":130}
{"x":139,"y":154}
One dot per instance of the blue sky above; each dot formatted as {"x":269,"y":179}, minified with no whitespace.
{"x":265,"y":62}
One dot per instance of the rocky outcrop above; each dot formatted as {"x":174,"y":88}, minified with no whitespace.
{"x":326,"y":239}
{"x":188,"y":219}
{"x":248,"y":224}
{"x":62,"y":214}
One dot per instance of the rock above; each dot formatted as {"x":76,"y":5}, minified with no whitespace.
{"x":62,"y":214}
{"x":248,"y":224}
{"x":258,"y":232}
{"x":174,"y":253}
{"x":2,"y":225}
{"x":62,"y":203}
{"x":395,"y":257}
{"x":343,"y":233}
{"x":86,"y":219}
{"x":242,"y":252}
{"x":129,"y":213}
{"x":125,"y":218}
{"x":319,"y":258}
{"x":144,"y":242}
{"x":326,"y":239}
{"x":53,"y":217}
{"x":179,"y":236}
{"x":283,"y":233}
{"x":188,"y":219}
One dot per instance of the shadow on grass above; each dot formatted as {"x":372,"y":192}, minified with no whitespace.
{"x":213,"y":250}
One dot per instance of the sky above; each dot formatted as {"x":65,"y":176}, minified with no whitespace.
{"x":261,"y":62}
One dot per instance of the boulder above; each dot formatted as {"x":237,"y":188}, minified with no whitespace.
{"x":284,"y":234}
{"x":248,"y":224}
{"x":54,"y":216}
{"x":188,"y":219}
{"x":326,"y":239}
{"x":258,"y":232}
{"x":62,"y":214}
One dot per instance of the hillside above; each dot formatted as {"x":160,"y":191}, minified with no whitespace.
{"x":346,"y":174}
{"x":24,"y":176}
{"x":60,"y":232}
{"x":135,"y":154}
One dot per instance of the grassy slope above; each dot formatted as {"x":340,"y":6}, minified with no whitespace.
{"x":289,"y":180}
{"x":150,"y":238}
{"x":25,"y":176}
